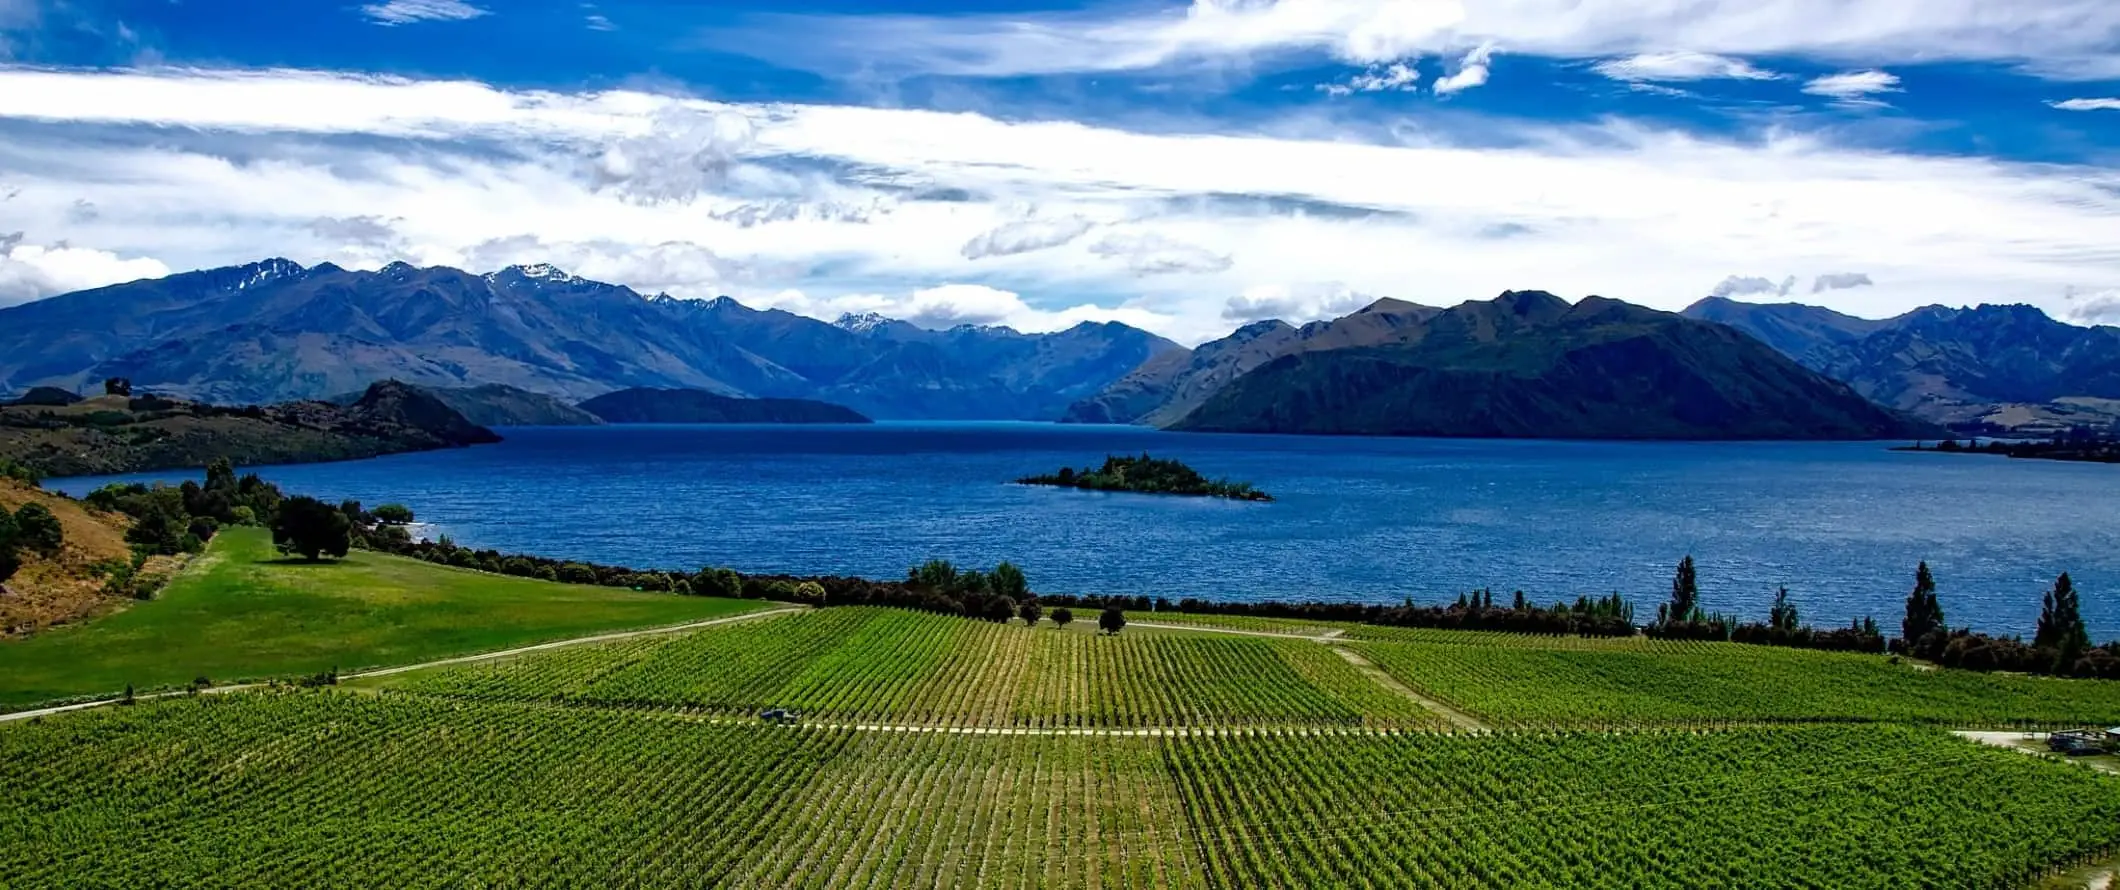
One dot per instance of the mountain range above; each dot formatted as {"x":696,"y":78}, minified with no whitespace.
{"x":1525,"y":364}
{"x":276,"y":331}
{"x":1989,"y":368}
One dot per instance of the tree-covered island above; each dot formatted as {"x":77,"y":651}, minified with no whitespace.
{"x":1148,"y":475}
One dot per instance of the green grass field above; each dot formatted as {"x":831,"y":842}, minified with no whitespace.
{"x":242,"y":613}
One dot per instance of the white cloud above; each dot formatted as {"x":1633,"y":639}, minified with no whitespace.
{"x":1147,"y":253}
{"x":1400,"y":77}
{"x":1840,"y":281}
{"x":1680,"y":66}
{"x":1026,"y":235}
{"x":955,"y":304}
{"x":2067,"y":39}
{"x":1750,"y":285}
{"x":34,"y":271}
{"x":2095,"y":307}
{"x":841,"y":202}
{"x":405,"y":12}
{"x":1853,"y":86}
{"x":1472,"y":71}
{"x":1294,"y":303}
{"x":2088,"y":104}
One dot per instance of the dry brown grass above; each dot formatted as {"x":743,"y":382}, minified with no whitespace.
{"x":62,"y":589}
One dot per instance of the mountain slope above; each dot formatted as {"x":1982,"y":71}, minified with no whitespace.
{"x":274,"y":331}
{"x":644,"y":405}
{"x":1961,"y":366}
{"x":1528,"y":364}
{"x":118,"y":434}
{"x":1164,"y":389}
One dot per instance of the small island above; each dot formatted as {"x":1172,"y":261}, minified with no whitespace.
{"x":2076,"y":446}
{"x":1147,"y":475}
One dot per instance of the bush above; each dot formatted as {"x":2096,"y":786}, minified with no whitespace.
{"x":393,"y":514}
{"x":37,"y":530}
{"x":1062,"y":617}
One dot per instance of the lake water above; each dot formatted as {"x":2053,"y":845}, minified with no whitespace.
{"x":1842,"y":524}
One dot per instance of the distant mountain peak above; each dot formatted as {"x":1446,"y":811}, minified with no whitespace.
{"x":862,"y":323}
{"x":543,"y":272}
{"x":269,"y":270}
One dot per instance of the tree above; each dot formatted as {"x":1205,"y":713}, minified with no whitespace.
{"x":312,"y":528}
{"x":935,"y":574}
{"x":810,"y":593}
{"x":117,"y":386}
{"x":1783,"y":616}
{"x":393,"y":514}
{"x":38,"y":530}
{"x":1063,"y":616}
{"x":1924,"y":612}
{"x":2061,"y":624}
{"x":10,"y":546}
{"x":1112,"y":621}
{"x":1685,"y":594}
{"x":1030,"y":612}
{"x":1008,"y":581}
{"x":718,"y":582}
{"x":157,"y":531}
{"x":1000,"y":609}
{"x":221,"y":476}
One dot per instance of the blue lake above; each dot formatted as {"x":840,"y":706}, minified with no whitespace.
{"x":1842,"y":524}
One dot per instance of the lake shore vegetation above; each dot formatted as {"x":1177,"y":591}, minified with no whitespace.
{"x":1147,"y":475}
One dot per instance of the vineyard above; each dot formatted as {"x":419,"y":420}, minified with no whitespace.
{"x":338,"y":788}
{"x":869,"y":665}
{"x":866,"y":665}
{"x":1648,"y":684}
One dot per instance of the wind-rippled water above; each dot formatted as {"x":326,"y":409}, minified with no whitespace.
{"x":1842,"y":524}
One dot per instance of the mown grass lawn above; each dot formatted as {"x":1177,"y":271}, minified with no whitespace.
{"x":242,"y":613}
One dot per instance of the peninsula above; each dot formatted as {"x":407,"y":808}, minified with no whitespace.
{"x":1148,"y":475}
{"x":2087,"y":448}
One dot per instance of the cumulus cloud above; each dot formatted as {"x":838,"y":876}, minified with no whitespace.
{"x":1400,"y":77}
{"x":1840,"y":281}
{"x":1026,"y":235}
{"x":2069,"y":39}
{"x":2093,"y":307}
{"x":1472,"y":71}
{"x":405,"y":12}
{"x":1854,"y":87}
{"x":1751,"y":285}
{"x":2088,"y":104}
{"x":1680,"y":66}
{"x":1294,"y":303}
{"x":684,"y":154}
{"x":1148,"y":253}
{"x":35,"y":271}
{"x":213,"y":168}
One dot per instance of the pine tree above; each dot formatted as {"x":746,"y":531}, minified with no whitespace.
{"x":1924,"y":612}
{"x":1783,"y":615}
{"x":1685,"y":594}
{"x":2061,"y":624}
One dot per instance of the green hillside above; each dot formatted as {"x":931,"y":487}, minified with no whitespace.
{"x":242,"y":613}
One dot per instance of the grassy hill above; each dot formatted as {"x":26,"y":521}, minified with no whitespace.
{"x":124,"y":434}
{"x":241,"y":612}
{"x":67,"y":587}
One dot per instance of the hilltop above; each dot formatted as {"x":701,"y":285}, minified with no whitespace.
{"x":1526,"y":364}
{"x":1988,"y":368}
{"x":122,"y":433}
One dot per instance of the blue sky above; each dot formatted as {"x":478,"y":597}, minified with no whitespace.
{"x":1184,"y":166}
